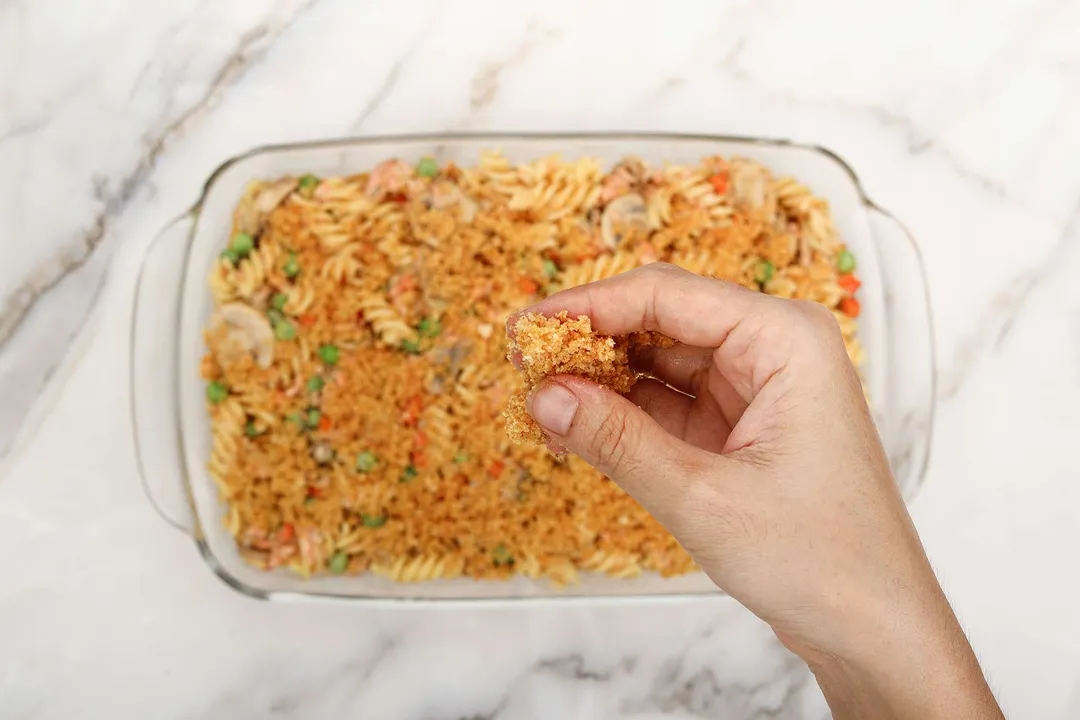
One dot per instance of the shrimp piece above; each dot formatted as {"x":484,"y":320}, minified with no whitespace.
{"x":389,"y":177}
{"x":310,"y":541}
{"x":617,"y":183}
{"x":257,"y":539}
{"x":280,"y":555}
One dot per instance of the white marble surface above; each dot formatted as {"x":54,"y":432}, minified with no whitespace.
{"x":961,"y":117}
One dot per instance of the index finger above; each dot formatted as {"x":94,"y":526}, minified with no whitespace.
{"x":692,"y":309}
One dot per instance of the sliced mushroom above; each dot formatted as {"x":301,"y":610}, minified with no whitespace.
{"x":274,"y":194}
{"x":259,"y":201}
{"x":247,"y":331}
{"x":322,"y":453}
{"x":446,"y":195}
{"x":436,"y":383}
{"x":622,"y":212}
{"x":458,"y":353}
{"x":448,"y":361}
{"x":749,"y":183}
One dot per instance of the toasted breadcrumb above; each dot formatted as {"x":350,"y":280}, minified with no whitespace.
{"x":560,"y":345}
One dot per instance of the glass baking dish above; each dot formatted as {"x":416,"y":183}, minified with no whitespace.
{"x":172,"y":305}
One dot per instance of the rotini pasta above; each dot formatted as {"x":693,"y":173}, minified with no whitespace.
{"x":356,"y":355}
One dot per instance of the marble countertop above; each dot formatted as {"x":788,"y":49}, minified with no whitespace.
{"x":963,"y":119}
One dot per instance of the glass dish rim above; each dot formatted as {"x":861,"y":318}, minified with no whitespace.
{"x":196,"y":531}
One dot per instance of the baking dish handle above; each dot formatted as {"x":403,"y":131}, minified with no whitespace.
{"x":155,"y":411}
{"x":909,"y":324}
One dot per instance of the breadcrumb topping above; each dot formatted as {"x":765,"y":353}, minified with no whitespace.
{"x":560,"y":345}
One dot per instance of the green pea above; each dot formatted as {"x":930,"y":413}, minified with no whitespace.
{"x":430,"y":327}
{"x":242,"y":244}
{"x":550,"y":269}
{"x":216,"y":391}
{"x":427,"y":167}
{"x":502,"y":556}
{"x":338,"y":562}
{"x":250,"y":430}
{"x":295,"y":417}
{"x":408,"y":474}
{"x":373,"y":521}
{"x":231,"y":255}
{"x":315,"y":383}
{"x":366,"y":461}
{"x":284,"y":330}
{"x":329,"y":354}
{"x":275,"y":316}
{"x":845,"y":261}
{"x":278,"y":300}
{"x":307,"y":184}
{"x":411,"y":346}
{"x":313,"y":417}
{"x":292,"y":267}
{"x":764,"y":271}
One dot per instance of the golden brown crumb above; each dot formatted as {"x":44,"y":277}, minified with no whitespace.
{"x":562,"y":346}
{"x":520,"y":427}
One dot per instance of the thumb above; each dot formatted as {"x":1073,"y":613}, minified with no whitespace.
{"x":620,"y":440}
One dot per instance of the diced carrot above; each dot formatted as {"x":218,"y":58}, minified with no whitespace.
{"x":527,"y":284}
{"x":410,"y":414}
{"x":496,"y":468}
{"x":208,"y":368}
{"x":325,"y":423}
{"x":850,"y":307}
{"x":287,"y":533}
{"x":403,"y":284}
{"x":418,"y":458}
{"x":307,"y":320}
{"x":420,"y":440}
{"x":314,"y":492}
{"x":397,"y":197}
{"x":849,"y":282}
{"x":720,"y":183}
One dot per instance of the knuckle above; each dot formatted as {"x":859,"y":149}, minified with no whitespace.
{"x":661,"y":269}
{"x":614,"y":436}
{"x":812,"y":323}
{"x":816,"y":315}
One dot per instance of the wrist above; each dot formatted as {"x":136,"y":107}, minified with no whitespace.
{"x":909,"y":668}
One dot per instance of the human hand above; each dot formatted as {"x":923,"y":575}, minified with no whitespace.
{"x":768,"y":469}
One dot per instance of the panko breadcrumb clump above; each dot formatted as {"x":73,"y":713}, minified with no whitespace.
{"x":560,"y":345}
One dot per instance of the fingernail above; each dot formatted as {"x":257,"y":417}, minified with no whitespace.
{"x":554,"y":406}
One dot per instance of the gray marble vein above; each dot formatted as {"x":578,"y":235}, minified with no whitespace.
{"x":915,"y":139}
{"x":485,"y":82}
{"x":251,"y":47}
{"x":997,"y":320}
{"x":112,"y":196}
{"x":343,"y":682}
{"x":391,"y":80}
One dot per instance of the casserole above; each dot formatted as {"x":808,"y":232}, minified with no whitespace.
{"x":172,"y":307}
